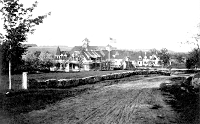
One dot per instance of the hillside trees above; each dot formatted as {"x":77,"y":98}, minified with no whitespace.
{"x":179,"y":58}
{"x":193,"y":59}
{"x":17,"y":23}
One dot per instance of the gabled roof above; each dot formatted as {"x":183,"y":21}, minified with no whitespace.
{"x":64,"y":52}
{"x":58,"y":52}
{"x":114,"y":54}
{"x":92,"y":54}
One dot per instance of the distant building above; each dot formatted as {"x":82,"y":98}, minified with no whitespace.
{"x":118,"y":58}
{"x":65,"y":61}
{"x":88,"y":58}
{"x":61,"y":56}
{"x":147,"y":59}
{"x":91,"y":56}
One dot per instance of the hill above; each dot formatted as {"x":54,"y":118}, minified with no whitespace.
{"x":30,"y":45}
{"x":51,"y":49}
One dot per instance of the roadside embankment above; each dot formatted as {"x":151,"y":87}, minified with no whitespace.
{"x":182,"y":94}
{"x":188,"y":84}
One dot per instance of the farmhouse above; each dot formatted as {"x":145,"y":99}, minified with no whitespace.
{"x":88,"y":58}
{"x":147,"y":59}
{"x":94,"y":58}
{"x":91,"y":58}
{"x":65,"y":61}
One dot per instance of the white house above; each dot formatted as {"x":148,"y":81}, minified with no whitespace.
{"x":148,"y":59}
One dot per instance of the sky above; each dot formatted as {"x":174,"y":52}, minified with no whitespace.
{"x":135,"y":24}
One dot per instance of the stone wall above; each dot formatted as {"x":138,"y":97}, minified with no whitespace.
{"x":66,"y":83}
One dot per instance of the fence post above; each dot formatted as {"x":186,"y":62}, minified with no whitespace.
{"x":24,"y":80}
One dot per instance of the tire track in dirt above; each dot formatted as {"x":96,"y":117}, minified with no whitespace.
{"x":123,"y":103}
{"x":124,"y":109}
{"x":117,"y":110}
{"x":112,"y":104}
{"x":116,"y":113}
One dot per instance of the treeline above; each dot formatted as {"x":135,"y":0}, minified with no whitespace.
{"x":30,"y":62}
{"x":37,"y":61}
{"x":193,"y":60}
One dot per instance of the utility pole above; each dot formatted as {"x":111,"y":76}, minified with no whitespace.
{"x":109,"y":55}
{"x":10,"y":70}
{"x":109,"y":49}
{"x":111,"y":41}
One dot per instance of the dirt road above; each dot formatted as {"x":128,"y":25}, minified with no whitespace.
{"x":126,"y":102}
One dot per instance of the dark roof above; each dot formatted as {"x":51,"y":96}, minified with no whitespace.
{"x":58,"y":52}
{"x":92,"y":54}
{"x":85,"y":55}
{"x":64,"y":52}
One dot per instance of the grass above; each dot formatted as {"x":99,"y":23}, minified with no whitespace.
{"x":17,"y":79}
{"x":25,"y":101}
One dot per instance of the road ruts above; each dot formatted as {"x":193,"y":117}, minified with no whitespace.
{"x":112,"y":110}
{"x":123,"y":103}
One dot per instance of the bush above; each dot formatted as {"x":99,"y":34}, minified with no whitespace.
{"x":52,"y":83}
{"x":33,"y":83}
{"x":189,"y":64}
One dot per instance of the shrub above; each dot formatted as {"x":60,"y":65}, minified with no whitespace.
{"x":33,"y":83}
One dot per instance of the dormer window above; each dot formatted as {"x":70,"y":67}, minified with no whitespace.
{"x":140,"y":57}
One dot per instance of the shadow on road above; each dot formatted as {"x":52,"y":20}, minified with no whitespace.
{"x":185,"y":104}
{"x":26,"y":101}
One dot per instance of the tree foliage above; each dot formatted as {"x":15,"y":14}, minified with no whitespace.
{"x":31,"y":61}
{"x":17,"y":23}
{"x":154,"y":51}
{"x":179,"y":58}
{"x":193,"y":59}
{"x":46,"y":59}
{"x":164,"y":56}
{"x":38,"y":61}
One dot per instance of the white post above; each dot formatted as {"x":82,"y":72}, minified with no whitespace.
{"x":24,"y":80}
{"x":10,"y":75}
{"x":109,"y":55}
{"x":10,"y":71}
